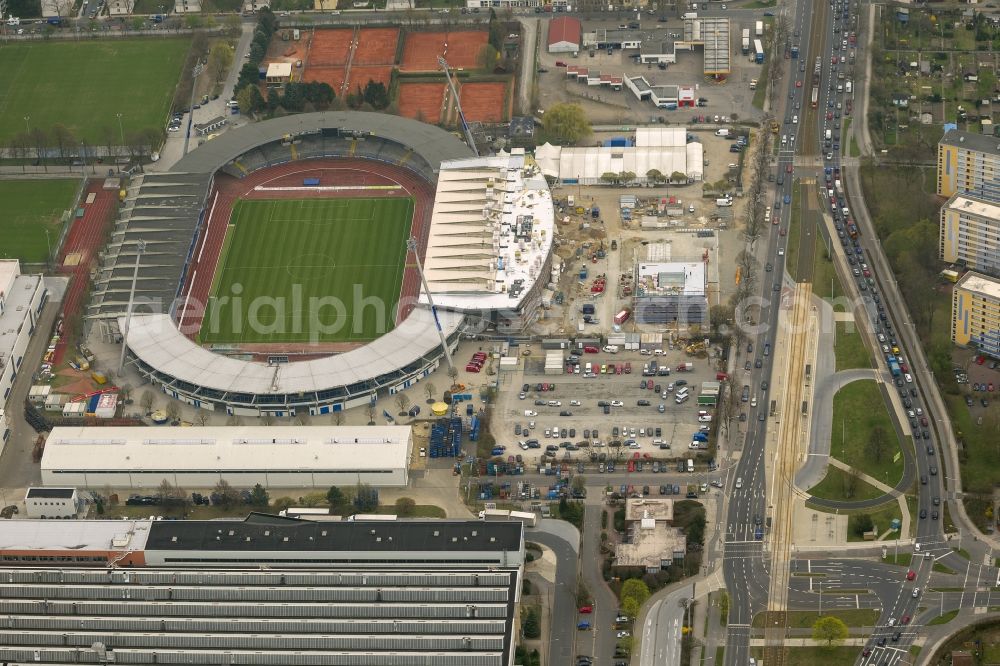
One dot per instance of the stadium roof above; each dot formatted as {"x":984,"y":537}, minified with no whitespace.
{"x":227,"y":449}
{"x":157,"y":342}
{"x":490,"y":233}
{"x":431,"y":142}
{"x":162,"y":212}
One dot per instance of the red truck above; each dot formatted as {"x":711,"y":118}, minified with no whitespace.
{"x":622,"y":317}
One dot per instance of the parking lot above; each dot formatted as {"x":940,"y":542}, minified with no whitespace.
{"x":574,"y":410}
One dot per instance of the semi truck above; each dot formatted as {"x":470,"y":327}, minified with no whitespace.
{"x":814,"y":98}
{"x":894,"y":366}
{"x":795,"y":51}
{"x":759,"y":29}
{"x":746,"y":41}
{"x":849,"y":87}
{"x":758,"y":51}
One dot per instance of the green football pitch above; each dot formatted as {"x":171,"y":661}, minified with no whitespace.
{"x":85,"y":85}
{"x":316,"y":270}
{"x":30,"y":209}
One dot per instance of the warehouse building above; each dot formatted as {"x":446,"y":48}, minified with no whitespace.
{"x":199,"y":457}
{"x":975,"y":314}
{"x":564,"y":35}
{"x":261,"y":591}
{"x":671,"y":293}
{"x":970,"y":227}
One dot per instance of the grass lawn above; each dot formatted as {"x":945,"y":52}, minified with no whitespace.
{"x":858,"y":409}
{"x":761,"y":91}
{"x":903,"y":559}
{"x":800,"y":619}
{"x":834,"y":483}
{"x":881,"y":515}
{"x":849,"y":348}
{"x":946,"y":618}
{"x":32,"y":207}
{"x":331,"y":270}
{"x":84,"y":85}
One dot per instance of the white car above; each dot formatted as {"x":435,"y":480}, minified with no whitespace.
{"x":617,"y":403}
{"x":623,"y":634}
{"x":908,"y":377}
{"x":892,"y":622}
{"x":574,"y":403}
{"x":739,"y":482}
{"x":781,"y":251}
{"x":423,"y":452}
{"x":522,"y":395}
{"x":530,"y":412}
{"x":704,"y":419}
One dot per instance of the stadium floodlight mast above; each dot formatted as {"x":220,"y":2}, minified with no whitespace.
{"x":461,"y":115}
{"x":411,"y":245}
{"x":140,"y":247}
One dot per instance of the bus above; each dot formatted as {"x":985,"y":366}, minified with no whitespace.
{"x":814,"y":100}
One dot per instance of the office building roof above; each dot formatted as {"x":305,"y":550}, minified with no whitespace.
{"x":980,"y":285}
{"x":964,"y":203}
{"x":983,"y":143}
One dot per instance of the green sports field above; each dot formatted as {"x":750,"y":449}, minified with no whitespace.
{"x":298,"y":271}
{"x":85,"y":85}
{"x":30,"y":208}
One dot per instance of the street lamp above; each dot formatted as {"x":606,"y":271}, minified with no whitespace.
{"x":121,"y":129}
{"x":26,"y":128}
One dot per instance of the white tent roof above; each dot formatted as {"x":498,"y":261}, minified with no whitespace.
{"x":695,"y":160}
{"x":590,"y":162}
{"x":660,"y":137}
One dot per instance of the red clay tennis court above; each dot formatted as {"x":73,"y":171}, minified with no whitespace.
{"x":421,"y":101}
{"x":330,"y":47}
{"x":331,"y":75}
{"x":376,"y":46}
{"x":484,"y":102}
{"x":421,"y":50}
{"x":360,"y":76}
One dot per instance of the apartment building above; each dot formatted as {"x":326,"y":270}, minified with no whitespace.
{"x":969,"y":163}
{"x":970,"y":233}
{"x":975,"y":313}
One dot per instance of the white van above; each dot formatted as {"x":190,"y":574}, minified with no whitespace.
{"x":795,"y":120}
{"x":784,"y":139}
{"x":722,"y":132}
{"x":682,"y":391}
{"x":681,"y":399}
{"x":690,"y":465}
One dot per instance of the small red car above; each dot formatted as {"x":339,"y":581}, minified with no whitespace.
{"x":788,"y":169}
{"x":910,"y":575}
{"x":798,"y":84}
{"x":586,"y":609}
{"x":905,"y":620}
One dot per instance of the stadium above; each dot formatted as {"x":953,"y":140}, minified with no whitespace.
{"x":272,"y":268}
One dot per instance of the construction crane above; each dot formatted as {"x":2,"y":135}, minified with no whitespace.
{"x":461,"y":116}
{"x":411,"y":245}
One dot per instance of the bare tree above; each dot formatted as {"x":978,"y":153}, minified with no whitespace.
{"x":338,"y":418}
{"x":370,"y":409}
{"x":453,"y":374}
{"x":170,"y":496}
{"x":302,"y":418}
{"x":63,"y":138}
{"x":173,"y":410}
{"x":430,"y":390}
{"x":39,"y":141}
{"x":202,"y":418}
{"x":225,"y":494}
{"x":110,"y":140}
{"x":267,"y":419}
{"x":403,"y":402}
{"x":234,"y":420}
{"x":146,"y":402}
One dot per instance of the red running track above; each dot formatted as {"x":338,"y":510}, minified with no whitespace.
{"x":85,"y":238}
{"x":339,"y":171}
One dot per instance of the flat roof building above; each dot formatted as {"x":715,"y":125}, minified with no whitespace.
{"x":969,"y":163}
{"x":261,"y":591}
{"x":671,"y":292}
{"x":969,"y":233}
{"x":199,"y":457}
{"x":278,"y":73}
{"x":975,"y":313}
{"x":651,"y":542}
{"x":21,"y":301}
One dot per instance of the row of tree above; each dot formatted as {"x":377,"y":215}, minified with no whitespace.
{"x":61,"y":142}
